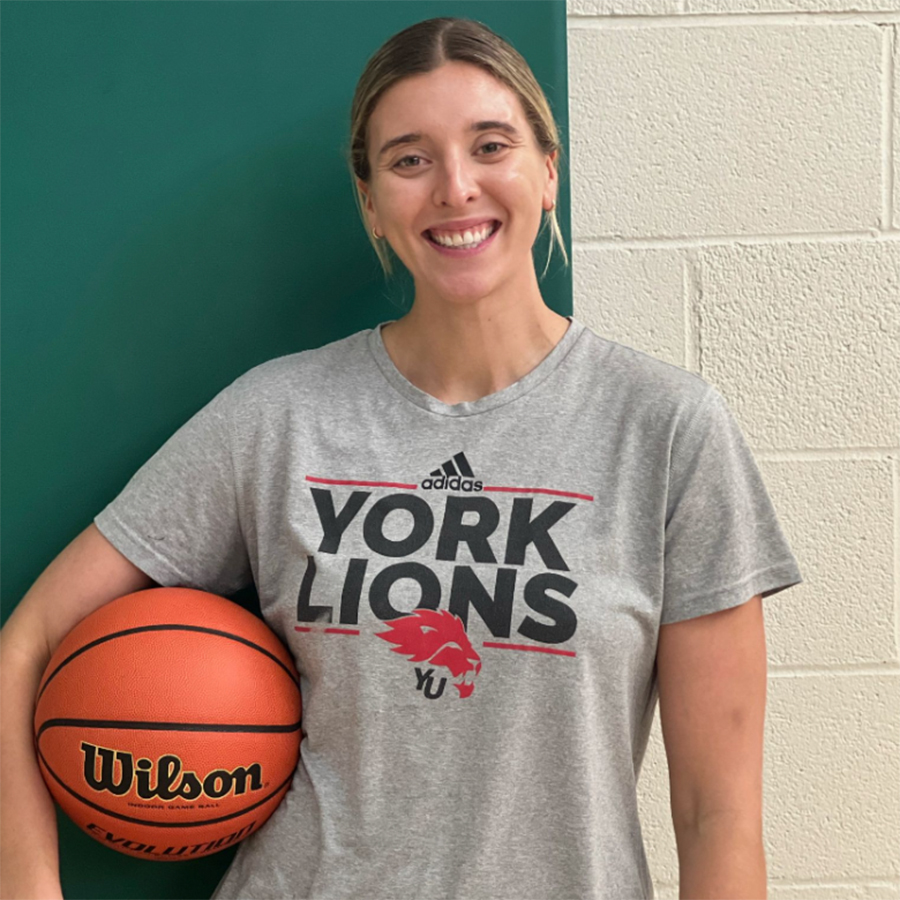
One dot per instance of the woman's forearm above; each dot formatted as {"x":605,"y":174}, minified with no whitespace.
{"x":29,"y":854}
{"x":722,"y":860}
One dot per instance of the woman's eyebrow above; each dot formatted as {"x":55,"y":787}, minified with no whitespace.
{"x":413,"y":136}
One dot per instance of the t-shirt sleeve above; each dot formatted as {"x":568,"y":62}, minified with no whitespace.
{"x":177,"y":519}
{"x":723,"y":541}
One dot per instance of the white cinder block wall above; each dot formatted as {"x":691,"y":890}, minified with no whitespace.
{"x":735,"y":182}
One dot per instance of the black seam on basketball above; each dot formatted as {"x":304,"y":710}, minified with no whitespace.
{"x":167,"y":726}
{"x":200,"y":628}
{"x":134,"y":821}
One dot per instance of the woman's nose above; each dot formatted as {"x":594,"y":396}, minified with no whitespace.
{"x":456,"y":182}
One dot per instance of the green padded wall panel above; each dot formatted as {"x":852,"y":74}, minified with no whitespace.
{"x":176,"y":210}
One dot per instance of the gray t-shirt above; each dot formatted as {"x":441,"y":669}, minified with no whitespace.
{"x":473,"y":595}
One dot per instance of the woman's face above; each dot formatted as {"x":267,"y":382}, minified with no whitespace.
{"x":448,"y":171}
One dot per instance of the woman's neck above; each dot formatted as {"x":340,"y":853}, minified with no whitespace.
{"x":461,"y":356}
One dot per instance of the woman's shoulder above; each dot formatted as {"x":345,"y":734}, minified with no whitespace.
{"x":303,"y":371}
{"x":639,"y":379}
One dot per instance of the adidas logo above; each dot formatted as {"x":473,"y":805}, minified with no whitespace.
{"x":453,"y":475}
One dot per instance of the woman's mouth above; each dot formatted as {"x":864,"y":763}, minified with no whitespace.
{"x":465,"y":249}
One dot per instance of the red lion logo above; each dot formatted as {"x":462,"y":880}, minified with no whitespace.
{"x":438,"y":637}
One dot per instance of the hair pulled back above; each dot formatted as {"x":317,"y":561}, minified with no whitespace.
{"x":426,"y":46}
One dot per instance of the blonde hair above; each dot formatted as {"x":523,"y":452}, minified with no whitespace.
{"x":426,"y":46}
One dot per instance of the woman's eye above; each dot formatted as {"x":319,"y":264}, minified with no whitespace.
{"x":397,"y":165}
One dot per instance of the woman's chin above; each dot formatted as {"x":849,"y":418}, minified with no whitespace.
{"x":459,"y":290}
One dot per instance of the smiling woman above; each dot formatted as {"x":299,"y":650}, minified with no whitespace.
{"x":589,"y":505}
{"x":454,"y":156}
{"x":422,"y":49}
{"x":431,"y":187}
{"x":490,"y":538}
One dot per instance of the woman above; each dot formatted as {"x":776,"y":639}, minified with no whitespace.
{"x":490,"y":537}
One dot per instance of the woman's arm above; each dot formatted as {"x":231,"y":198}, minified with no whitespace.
{"x":88,"y":573}
{"x":29,"y":860}
{"x":723,"y":858}
{"x":712,"y":674}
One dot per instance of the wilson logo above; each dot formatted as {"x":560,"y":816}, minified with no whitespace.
{"x":102,"y":773}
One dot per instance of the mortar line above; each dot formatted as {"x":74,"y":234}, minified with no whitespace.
{"x":888,"y":53}
{"x":863,"y":881}
{"x":687,"y":300}
{"x":821,"y":454}
{"x":896,"y":472}
{"x":687,"y":19}
{"x":815,"y":671}
{"x":673,"y":243}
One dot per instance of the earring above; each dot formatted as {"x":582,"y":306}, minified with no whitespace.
{"x":375,"y":234}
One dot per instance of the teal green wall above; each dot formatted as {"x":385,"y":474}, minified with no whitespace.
{"x":176,"y":210}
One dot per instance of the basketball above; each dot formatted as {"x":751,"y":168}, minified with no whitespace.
{"x":167,"y":723}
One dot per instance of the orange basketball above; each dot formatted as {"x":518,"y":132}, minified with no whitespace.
{"x":167,"y":723}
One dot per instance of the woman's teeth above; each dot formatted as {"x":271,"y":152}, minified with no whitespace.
{"x":465,"y":239}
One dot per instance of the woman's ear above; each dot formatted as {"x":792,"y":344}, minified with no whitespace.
{"x":367,"y":200}
{"x":364,"y":190}
{"x":552,"y":181}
